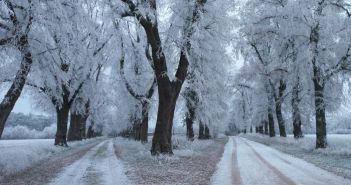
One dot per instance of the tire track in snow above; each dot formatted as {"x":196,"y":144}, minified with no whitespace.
{"x":272,"y":168}
{"x":98,"y":166}
{"x":298,"y":169}
{"x":235,"y":169}
{"x":44,"y":170}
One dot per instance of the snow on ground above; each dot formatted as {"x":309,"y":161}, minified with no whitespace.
{"x":17,"y":155}
{"x":192,"y":162}
{"x":336,"y":158}
{"x":221,"y":177}
{"x":98,"y":166}
{"x":259,"y":164}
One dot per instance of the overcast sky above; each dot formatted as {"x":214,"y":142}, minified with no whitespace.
{"x":24,"y":104}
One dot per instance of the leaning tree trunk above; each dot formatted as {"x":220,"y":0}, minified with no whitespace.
{"x":321,"y":124}
{"x":278,"y":108}
{"x":297,"y":131}
{"x":62,"y":119}
{"x":15,"y":90}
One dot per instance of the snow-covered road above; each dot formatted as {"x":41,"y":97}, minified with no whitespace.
{"x":246,"y":162}
{"x":98,"y":166}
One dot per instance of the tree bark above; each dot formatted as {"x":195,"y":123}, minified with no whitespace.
{"x":189,"y":128}
{"x":62,"y":119}
{"x":271,"y":123}
{"x":266,"y":130}
{"x":161,"y":142}
{"x":144,"y":122}
{"x":278,"y":108}
{"x":201,"y":130}
{"x":297,"y":131}
{"x":319,"y":83}
{"x":191,"y":104}
{"x":207,"y":132}
{"x":321,"y":125}
{"x":16,"y":88}
{"x":76,"y":130}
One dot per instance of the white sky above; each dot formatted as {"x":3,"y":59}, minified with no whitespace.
{"x":24,"y":104}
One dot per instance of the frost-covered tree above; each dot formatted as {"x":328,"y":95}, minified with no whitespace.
{"x":146,"y":13}
{"x":73,"y":43}
{"x":16,"y":19}
{"x":299,"y":31}
{"x":141,"y":70}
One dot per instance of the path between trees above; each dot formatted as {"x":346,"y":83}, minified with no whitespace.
{"x":98,"y":166}
{"x":254,"y":163}
{"x":43,"y":171}
{"x":244,"y":162}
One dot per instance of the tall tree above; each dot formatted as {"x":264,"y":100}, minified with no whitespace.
{"x":72,"y":55}
{"x":168,"y":89}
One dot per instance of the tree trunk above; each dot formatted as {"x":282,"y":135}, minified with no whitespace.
{"x":162,"y":142}
{"x":278,"y":108}
{"x":321,"y":125}
{"x":75,"y":128}
{"x":318,"y":82}
{"x":266,"y":130}
{"x":201,"y":130}
{"x":15,"y":90}
{"x":189,"y":129}
{"x":136,"y":130}
{"x":83,"y":128}
{"x":297,"y":131}
{"x":62,"y":119}
{"x":91,"y":133}
{"x":260,"y":129}
{"x":271,"y":123}
{"x":207,"y":132}
{"x":144,"y":123}
{"x":191,"y":104}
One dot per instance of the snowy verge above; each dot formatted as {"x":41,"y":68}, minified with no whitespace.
{"x":225,"y":165}
{"x":192,"y":162}
{"x":17,"y":155}
{"x":335,"y":158}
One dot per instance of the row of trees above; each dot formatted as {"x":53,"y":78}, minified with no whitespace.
{"x":86,"y":59}
{"x":297,"y":61}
